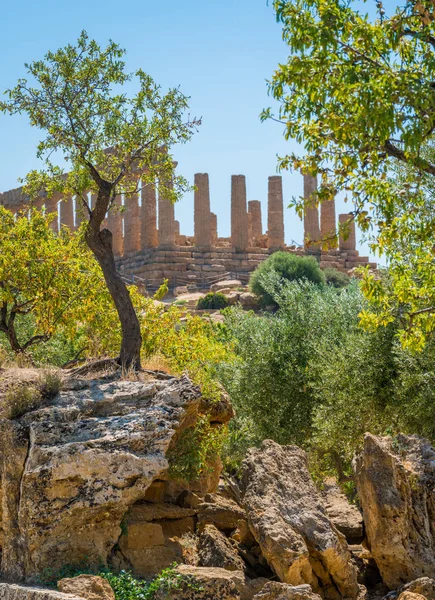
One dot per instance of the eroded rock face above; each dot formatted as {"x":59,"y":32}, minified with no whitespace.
{"x":345,"y":516}
{"x":72,"y":470}
{"x":19,"y":592}
{"x":288,"y":520}
{"x":215,"y":550}
{"x":282,"y":591}
{"x":395,"y":482}
{"x":89,"y":587}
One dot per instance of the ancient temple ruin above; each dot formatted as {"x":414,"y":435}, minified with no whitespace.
{"x":149,"y":246}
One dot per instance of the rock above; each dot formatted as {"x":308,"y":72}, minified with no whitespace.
{"x":221,"y":512}
{"x":232,"y":297}
{"x":73,"y":469}
{"x":200,"y":583}
{"x":215,"y":550}
{"x":288,"y":520}
{"x":249,"y":300}
{"x":395,"y":482}
{"x":422,"y":587}
{"x":243,"y":534}
{"x":282,"y":591}
{"x":20,"y":592}
{"x":345,"y":516}
{"x":228,"y":284}
{"x":180,"y":290}
{"x":90,"y":587}
{"x":411,"y":596}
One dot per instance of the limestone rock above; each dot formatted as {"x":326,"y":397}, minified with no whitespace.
{"x":411,"y":596}
{"x":200,"y":583}
{"x":282,"y":591}
{"x":288,"y":520}
{"x":249,"y":300}
{"x":215,"y":550}
{"x":345,"y":516}
{"x":20,"y":592}
{"x":90,"y":587}
{"x":422,"y":587}
{"x":395,"y":483}
{"x":229,"y":283}
{"x":221,"y":512}
{"x":72,"y":470}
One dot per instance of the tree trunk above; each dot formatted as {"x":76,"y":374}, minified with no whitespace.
{"x":101,"y":245}
{"x":7,"y":325}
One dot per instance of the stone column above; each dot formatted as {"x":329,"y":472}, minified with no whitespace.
{"x":51,"y":207}
{"x":202,"y":211}
{"x":239,"y":214}
{"x":114,"y":224}
{"x":275,"y":214}
{"x":166,"y":221}
{"x":79,"y":211}
{"x":254,"y":210}
{"x":131,"y":224}
{"x":328,"y":228}
{"x":214,"y":229}
{"x":311,"y":213}
{"x":149,"y":237}
{"x":349,"y":232}
{"x":66,"y":211}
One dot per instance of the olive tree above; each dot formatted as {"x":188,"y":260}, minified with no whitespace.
{"x":78,"y":97}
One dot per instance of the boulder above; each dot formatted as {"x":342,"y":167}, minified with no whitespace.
{"x":288,"y":519}
{"x":282,"y":591}
{"x":229,"y":284}
{"x":72,"y":470}
{"x":395,"y":482}
{"x":215,"y":550}
{"x":411,"y":596}
{"x":249,"y":300}
{"x":221,"y":512}
{"x":424,"y":587}
{"x":90,"y":587}
{"x":344,"y":515}
{"x":20,"y":592}
{"x":201,"y":583}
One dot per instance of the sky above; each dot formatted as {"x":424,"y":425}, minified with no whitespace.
{"x":219,"y":52}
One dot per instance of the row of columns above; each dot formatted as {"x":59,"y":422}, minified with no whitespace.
{"x":139,"y":225}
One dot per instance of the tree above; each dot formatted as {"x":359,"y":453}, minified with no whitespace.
{"x":51,"y":277}
{"x":358,"y":91}
{"x":77,"y":98}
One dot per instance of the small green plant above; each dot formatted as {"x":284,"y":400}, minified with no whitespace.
{"x":289,"y":267}
{"x":336,"y":278}
{"x":20,"y":400}
{"x":194,"y":451}
{"x":50,"y":384}
{"x":212,"y":300}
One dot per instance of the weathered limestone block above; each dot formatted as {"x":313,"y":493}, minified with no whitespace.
{"x":395,"y":482}
{"x":20,"y":592}
{"x":215,"y":550}
{"x":228,"y":283}
{"x":72,"y":470}
{"x":214,"y":229}
{"x":347,"y":237}
{"x":282,"y":591}
{"x":166,"y":232}
{"x":221,"y":512}
{"x":345,"y":516}
{"x":89,"y":587}
{"x":328,"y":227}
{"x":275,"y":219}
{"x":239,"y":214}
{"x":311,"y":212}
{"x":289,"y":522}
{"x":254,"y":210}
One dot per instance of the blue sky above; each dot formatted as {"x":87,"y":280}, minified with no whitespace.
{"x":219,"y":52}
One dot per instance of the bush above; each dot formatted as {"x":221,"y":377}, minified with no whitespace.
{"x":212,"y":300}
{"x":336,"y":278}
{"x":289,"y":267}
{"x":20,"y":400}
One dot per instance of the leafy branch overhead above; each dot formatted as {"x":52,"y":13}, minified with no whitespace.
{"x":358,"y":91}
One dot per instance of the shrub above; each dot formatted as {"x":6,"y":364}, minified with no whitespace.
{"x":20,"y":400}
{"x":212,"y":300}
{"x":289,"y":267}
{"x":336,"y":278}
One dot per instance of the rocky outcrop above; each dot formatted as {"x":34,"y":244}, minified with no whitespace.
{"x":215,"y":550}
{"x":89,"y":587}
{"x":20,"y":592}
{"x":395,"y":481}
{"x":288,"y":519}
{"x":345,"y":516}
{"x":221,"y":512}
{"x":71,"y":471}
{"x":282,"y":591}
